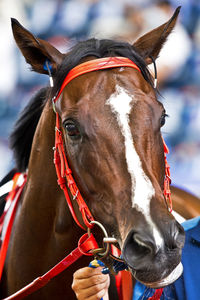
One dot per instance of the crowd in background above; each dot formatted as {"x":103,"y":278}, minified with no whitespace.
{"x":64,"y":22}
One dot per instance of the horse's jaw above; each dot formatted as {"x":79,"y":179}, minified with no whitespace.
{"x":172,"y":277}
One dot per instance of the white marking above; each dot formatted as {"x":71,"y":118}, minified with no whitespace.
{"x":178,"y":217}
{"x":6,"y":188}
{"x":142,"y":188}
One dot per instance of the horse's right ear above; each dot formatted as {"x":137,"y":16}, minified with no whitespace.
{"x":150,"y":44}
{"x":35,"y":50}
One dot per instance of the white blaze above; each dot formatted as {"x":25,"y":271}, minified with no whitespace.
{"x":121,"y":103}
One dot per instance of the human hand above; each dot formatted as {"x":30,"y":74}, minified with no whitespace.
{"x":90,"y":284}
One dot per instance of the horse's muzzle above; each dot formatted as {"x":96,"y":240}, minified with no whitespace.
{"x":152,"y":265}
{"x":173,"y":276}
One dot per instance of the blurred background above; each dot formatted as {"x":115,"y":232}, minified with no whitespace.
{"x":63,"y":23}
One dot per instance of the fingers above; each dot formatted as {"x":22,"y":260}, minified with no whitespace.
{"x":90,"y":284}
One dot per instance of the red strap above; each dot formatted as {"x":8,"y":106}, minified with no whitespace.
{"x":94,"y":65}
{"x":118,"y":277}
{"x":167,"y":180}
{"x":157,"y":294}
{"x":65,"y":178}
{"x":123,"y":280}
{"x":86,"y":243}
{"x":14,"y":194}
{"x":127,"y":285}
{"x":166,"y":149}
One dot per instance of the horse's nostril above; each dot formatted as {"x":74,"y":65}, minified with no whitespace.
{"x":177,"y":237}
{"x":136,"y":247}
{"x":141,"y":245}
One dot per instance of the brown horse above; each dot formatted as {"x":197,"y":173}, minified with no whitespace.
{"x":110,"y":121}
{"x":185,"y":203}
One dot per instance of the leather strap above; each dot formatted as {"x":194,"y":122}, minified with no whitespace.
{"x":85,"y":245}
{"x":65,"y":179}
{"x":167,"y":180}
{"x":94,"y":65}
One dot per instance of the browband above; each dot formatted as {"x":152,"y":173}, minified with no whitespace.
{"x":94,"y":65}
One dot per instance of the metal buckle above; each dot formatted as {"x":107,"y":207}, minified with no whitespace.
{"x":113,"y":263}
{"x":75,"y":196}
{"x":101,"y":252}
{"x":53,"y":105}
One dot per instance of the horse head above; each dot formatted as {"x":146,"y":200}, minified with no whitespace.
{"x":111,"y":122}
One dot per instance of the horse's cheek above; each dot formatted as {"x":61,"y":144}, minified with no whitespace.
{"x":103,"y":208}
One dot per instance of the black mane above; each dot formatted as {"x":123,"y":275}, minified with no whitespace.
{"x":22,"y":136}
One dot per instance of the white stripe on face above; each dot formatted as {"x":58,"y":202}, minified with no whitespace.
{"x":142,"y":189}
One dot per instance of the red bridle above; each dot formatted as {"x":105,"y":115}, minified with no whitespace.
{"x":63,"y":171}
{"x":94,"y":65}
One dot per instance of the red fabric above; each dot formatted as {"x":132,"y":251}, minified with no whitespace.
{"x":10,"y":198}
{"x":14,"y":194}
{"x":123,"y":279}
{"x":126,"y":285}
{"x":118,"y":277}
{"x":157,"y":295}
{"x":94,"y":65}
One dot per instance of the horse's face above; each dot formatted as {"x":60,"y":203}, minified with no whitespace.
{"x":111,"y":122}
{"x":112,"y":132}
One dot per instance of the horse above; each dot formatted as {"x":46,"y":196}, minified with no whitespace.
{"x":110,"y":122}
{"x":185,"y":203}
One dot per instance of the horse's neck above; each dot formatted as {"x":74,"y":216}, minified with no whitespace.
{"x":44,"y":229}
{"x":41,"y":170}
{"x":41,"y":158}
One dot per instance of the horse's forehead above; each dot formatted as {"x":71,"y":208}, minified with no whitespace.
{"x":88,"y":94}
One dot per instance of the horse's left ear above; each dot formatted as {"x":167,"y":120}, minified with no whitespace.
{"x":35,"y":50}
{"x":150,"y":44}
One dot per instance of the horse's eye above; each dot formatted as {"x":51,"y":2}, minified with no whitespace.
{"x":162,"y":119}
{"x":72,"y":129}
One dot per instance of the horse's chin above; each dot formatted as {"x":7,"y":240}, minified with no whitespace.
{"x":173,"y":276}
